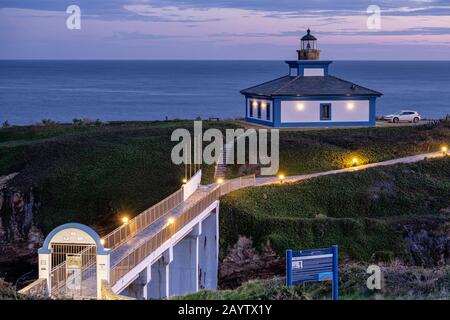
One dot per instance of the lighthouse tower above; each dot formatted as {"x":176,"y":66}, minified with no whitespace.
{"x":308,"y":49}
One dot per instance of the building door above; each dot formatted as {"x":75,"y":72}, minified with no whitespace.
{"x":73,"y":274}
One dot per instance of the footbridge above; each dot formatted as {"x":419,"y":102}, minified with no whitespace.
{"x":169,"y":249}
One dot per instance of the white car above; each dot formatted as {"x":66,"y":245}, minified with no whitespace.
{"x":403,"y":116}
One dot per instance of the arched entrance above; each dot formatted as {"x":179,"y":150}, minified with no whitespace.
{"x":69,"y":257}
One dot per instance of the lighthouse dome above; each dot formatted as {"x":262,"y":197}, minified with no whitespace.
{"x":308,"y":36}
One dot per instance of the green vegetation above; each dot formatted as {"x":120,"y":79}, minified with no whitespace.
{"x":399,"y":282}
{"x":93,"y":173}
{"x":321,"y":150}
{"x":363,"y":212}
{"x":273,"y":289}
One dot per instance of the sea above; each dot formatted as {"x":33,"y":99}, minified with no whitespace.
{"x":33,"y":90}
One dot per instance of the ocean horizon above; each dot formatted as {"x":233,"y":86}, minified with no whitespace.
{"x":145,"y":90}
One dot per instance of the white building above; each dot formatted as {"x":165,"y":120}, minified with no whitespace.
{"x":309,"y":96}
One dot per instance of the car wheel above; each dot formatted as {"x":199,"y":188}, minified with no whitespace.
{"x":395,"y":120}
{"x":415,"y":120}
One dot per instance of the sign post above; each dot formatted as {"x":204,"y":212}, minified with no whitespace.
{"x":313,"y":266}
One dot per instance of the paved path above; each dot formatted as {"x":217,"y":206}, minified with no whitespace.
{"x":132,"y":244}
{"x":269,"y":180}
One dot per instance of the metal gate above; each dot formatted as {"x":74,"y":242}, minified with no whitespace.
{"x":73,"y":273}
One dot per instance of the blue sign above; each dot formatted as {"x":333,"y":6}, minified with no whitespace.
{"x":313,"y":266}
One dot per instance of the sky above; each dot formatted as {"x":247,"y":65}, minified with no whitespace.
{"x":224,"y":29}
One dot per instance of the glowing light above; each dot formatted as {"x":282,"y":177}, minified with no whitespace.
{"x":263,"y":105}
{"x":350,"y":106}
{"x":102,"y":241}
{"x":254,"y":104}
{"x":281,"y":177}
{"x":184,"y":180}
{"x":444,"y":149}
{"x":125,"y":220}
{"x":220,"y":181}
{"x":300,"y":106}
{"x":170,"y":221}
{"x":354,"y":161}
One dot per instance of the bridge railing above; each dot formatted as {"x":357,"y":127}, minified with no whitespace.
{"x":37,"y":288}
{"x":142,"y":220}
{"x":146,"y":248}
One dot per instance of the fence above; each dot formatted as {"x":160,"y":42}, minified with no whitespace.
{"x":142,"y":220}
{"x":83,"y":283}
{"x":145,"y":249}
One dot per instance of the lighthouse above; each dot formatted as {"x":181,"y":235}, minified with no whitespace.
{"x":309,"y":96}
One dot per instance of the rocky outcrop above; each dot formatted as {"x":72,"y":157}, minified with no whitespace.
{"x":19,"y":235}
{"x":428,"y":243}
{"x":243,"y":262}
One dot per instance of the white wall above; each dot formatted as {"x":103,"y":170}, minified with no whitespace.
{"x":340,"y":111}
{"x":309,"y":72}
{"x":192,"y":185}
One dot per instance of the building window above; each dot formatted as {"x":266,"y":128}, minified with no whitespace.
{"x":325,"y":111}
{"x":259,"y":110}
{"x":268,"y":112}
{"x":251,"y":108}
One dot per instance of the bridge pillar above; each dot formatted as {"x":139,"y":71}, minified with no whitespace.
{"x":158,"y":287}
{"x":184,"y":268}
{"x":208,"y":251}
{"x":138,"y":288}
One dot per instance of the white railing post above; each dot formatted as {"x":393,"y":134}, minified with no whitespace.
{"x":103,"y":270}
{"x":45,"y":269}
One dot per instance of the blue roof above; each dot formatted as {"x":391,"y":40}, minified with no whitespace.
{"x":309,"y":86}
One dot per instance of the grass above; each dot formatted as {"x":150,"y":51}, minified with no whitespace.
{"x":321,"y":150}
{"x":398,"y":282}
{"x":362,"y":211}
{"x":94,"y":173}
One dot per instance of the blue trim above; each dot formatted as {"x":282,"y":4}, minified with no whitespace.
{"x":335,"y":273}
{"x":46,"y":246}
{"x":324,"y":124}
{"x":372,"y":111}
{"x":329,"y":111}
{"x":358,"y":97}
{"x":259,"y":110}
{"x":288,"y":268}
{"x":259,"y":121}
{"x":308,"y":64}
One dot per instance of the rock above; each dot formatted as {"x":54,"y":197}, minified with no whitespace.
{"x":17,"y":220}
{"x":243,"y":262}
{"x":428,"y":243}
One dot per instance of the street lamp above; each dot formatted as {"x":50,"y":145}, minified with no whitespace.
{"x":220,"y":180}
{"x":444,"y":150}
{"x":125,"y":220}
{"x":354,"y":161}
{"x":281,"y":177}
